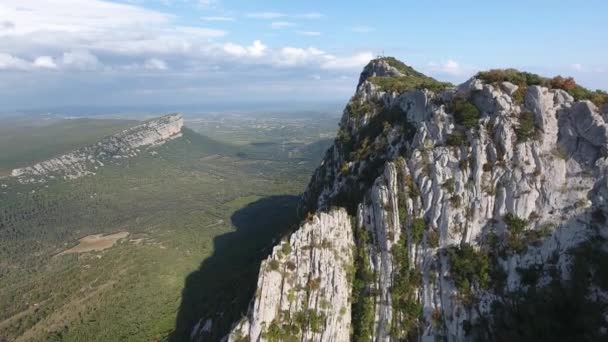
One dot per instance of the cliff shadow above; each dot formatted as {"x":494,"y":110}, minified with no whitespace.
{"x":225,"y":282}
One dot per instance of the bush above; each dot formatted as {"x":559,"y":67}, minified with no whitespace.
{"x":358,"y":107}
{"x":418,"y":227}
{"x":457,"y":138}
{"x":456,"y":201}
{"x":274,"y":265}
{"x":516,"y":226}
{"x":520,"y":94}
{"x":405,"y":83}
{"x":406,"y":307}
{"x":526,"y":129}
{"x":514,"y":223}
{"x":512,"y":75}
{"x":465,"y":112}
{"x":362,"y":302}
{"x":524,"y":79}
{"x":410,"y":79}
{"x":449,"y":185}
{"x":469,"y":268}
{"x":568,"y":84}
{"x":286,"y":248}
{"x":433,"y":238}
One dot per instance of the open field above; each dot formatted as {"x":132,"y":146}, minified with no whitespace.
{"x":95,"y":243}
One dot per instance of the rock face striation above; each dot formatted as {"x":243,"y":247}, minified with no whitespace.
{"x":478,"y":213}
{"x":304,"y":286}
{"x":85,"y":160}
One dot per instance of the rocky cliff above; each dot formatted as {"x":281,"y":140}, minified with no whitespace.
{"x":85,"y":160}
{"x":304,"y":286}
{"x":478,"y":213}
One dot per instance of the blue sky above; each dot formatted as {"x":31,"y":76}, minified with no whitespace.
{"x":139,"y":52}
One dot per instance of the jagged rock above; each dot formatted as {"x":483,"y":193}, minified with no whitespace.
{"x":589,"y":124}
{"x":380,"y":69}
{"x":399,"y":164}
{"x":305,"y":280}
{"x":509,"y":88}
{"x":86,"y":160}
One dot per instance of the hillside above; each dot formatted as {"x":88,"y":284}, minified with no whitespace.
{"x":441,"y":212}
{"x":25,"y":141}
{"x":86,"y":160}
{"x":142,"y":247}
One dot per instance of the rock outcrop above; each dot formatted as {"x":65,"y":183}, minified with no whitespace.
{"x":85,"y":160}
{"x":304,"y":286}
{"x":476,"y":208}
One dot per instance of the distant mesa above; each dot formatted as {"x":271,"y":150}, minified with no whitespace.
{"x":84,"y":161}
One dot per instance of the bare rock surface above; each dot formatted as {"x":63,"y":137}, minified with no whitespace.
{"x":84,"y":161}
{"x":305,"y":283}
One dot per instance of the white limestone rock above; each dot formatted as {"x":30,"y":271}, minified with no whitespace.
{"x":554,"y":180}
{"x":125,"y":144}
{"x":309,"y":275}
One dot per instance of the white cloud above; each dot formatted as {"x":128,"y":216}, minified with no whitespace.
{"x":73,"y":17}
{"x":80,"y":60}
{"x":200,"y":32}
{"x":449,"y":67}
{"x":577,"y":67}
{"x":309,"y":33}
{"x":257,"y":49}
{"x":9,"y":62}
{"x":362,"y":29}
{"x":219,"y":18}
{"x":117,"y":43}
{"x":45,"y":62}
{"x":291,"y":56}
{"x":281,"y":24}
{"x":155,"y":64}
{"x":311,"y":15}
{"x":352,"y":62}
{"x":94,"y":25}
{"x":207,"y":3}
{"x":277,"y":15}
{"x":6,"y":25}
{"x":266,"y":15}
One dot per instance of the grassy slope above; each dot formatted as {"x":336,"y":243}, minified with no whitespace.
{"x":193,"y":201}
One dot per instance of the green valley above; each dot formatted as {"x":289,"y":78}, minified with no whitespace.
{"x":192,"y":218}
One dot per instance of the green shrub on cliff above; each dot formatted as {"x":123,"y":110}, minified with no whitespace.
{"x":465,"y":112}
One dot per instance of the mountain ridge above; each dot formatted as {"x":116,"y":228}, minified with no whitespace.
{"x":85,"y":160}
{"x":469,"y":206}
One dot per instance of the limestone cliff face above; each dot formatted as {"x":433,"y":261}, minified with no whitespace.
{"x":304,"y":286}
{"x":467,"y":201}
{"x":86,"y":160}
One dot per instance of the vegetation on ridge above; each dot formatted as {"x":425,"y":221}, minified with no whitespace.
{"x":525,"y":79}
{"x":410,"y":79}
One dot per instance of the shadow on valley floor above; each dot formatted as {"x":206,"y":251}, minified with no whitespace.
{"x":225,"y":282}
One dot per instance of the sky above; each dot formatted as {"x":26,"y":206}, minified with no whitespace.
{"x":186,"y":52}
